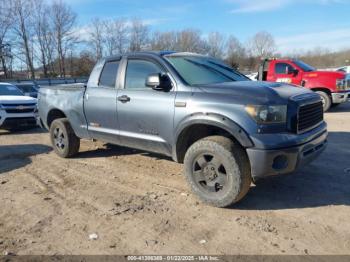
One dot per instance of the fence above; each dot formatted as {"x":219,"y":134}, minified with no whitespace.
{"x":48,"y":81}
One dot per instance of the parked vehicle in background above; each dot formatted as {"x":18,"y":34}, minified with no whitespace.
{"x":226,"y":129}
{"x":16,"y":110}
{"x":29,"y":89}
{"x":331,"y":86}
{"x":344,"y":69}
{"x":253,"y":76}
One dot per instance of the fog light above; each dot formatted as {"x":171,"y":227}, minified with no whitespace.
{"x":280,"y":162}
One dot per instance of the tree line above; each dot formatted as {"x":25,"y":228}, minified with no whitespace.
{"x":42,"y":36}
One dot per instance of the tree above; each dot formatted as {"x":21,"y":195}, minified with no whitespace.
{"x":116,"y":36}
{"x":97,"y":37}
{"x":262,"y":45}
{"x":64,"y":20}
{"x":164,"y":41}
{"x":235,"y":52}
{"x":22,"y":11}
{"x":43,"y":35}
{"x":6,"y":21}
{"x":216,"y":44}
{"x":138,"y":35}
{"x":190,"y":40}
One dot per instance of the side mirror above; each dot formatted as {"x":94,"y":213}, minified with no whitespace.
{"x":159,"y":82}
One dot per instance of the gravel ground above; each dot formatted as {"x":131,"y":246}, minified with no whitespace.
{"x":113,"y":200}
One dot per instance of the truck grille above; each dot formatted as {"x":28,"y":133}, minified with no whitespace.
{"x":309,"y":116}
{"x":18,"y":108}
{"x":19,"y":111}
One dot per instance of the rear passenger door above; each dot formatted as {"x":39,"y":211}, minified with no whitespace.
{"x":145,"y":115}
{"x":100,"y":104}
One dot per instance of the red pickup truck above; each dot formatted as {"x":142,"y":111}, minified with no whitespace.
{"x":331,"y":86}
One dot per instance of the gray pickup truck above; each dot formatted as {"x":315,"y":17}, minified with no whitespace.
{"x":227,"y":130}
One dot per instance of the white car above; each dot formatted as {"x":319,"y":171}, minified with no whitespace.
{"x":16,"y":110}
{"x":345,"y":69}
{"x":253,"y":76}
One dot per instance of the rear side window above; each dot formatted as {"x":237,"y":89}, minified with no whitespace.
{"x":109,"y":74}
{"x":281,"y":68}
{"x":137,"y":73}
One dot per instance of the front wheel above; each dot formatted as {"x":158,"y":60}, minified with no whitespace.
{"x":63,"y":139}
{"x":218,"y":171}
{"x":326,"y":100}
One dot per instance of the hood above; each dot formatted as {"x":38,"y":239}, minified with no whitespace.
{"x":17,"y":99}
{"x":257,"y":92}
{"x":328,"y":74}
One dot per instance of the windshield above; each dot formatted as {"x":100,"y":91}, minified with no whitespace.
{"x":27,"y":88}
{"x":9,"y":90}
{"x":305,"y":67}
{"x":200,"y":70}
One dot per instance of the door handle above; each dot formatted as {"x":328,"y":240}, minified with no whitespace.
{"x":124,"y":99}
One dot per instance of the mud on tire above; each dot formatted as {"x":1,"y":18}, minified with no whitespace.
{"x":218,"y":171}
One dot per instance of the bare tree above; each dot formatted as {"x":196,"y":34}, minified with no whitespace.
{"x":6,"y":21}
{"x":262,"y":45}
{"x":216,"y":44}
{"x":22,"y":11}
{"x":190,"y":40}
{"x":235,"y":52}
{"x":138,"y":35}
{"x":64,"y":20}
{"x":116,"y":36}
{"x":164,"y":41}
{"x":97,"y":37}
{"x":43,"y":36}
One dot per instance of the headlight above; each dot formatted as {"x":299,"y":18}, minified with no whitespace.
{"x":341,"y":84}
{"x":267,"y":114}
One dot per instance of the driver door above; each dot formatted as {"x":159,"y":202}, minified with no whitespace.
{"x":145,"y":115}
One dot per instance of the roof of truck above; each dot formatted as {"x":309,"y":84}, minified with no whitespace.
{"x":156,"y":53}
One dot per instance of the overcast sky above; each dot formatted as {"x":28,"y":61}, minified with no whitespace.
{"x":297,"y":25}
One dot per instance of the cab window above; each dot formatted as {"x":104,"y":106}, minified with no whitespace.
{"x":109,"y":74}
{"x":137,"y":72}
{"x":281,"y":68}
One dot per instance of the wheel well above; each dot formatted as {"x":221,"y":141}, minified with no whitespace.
{"x":53,"y":115}
{"x":195,"y":132}
{"x":325,"y":90}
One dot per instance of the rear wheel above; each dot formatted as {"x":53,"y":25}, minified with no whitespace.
{"x":63,"y":139}
{"x":326,"y":100}
{"x":218,"y":171}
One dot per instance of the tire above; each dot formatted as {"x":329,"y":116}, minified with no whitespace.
{"x":218,"y":171}
{"x":63,"y":139}
{"x":326,"y":100}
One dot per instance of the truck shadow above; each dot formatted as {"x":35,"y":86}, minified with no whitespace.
{"x":326,"y":181}
{"x":13,"y":157}
{"x":114,"y":150}
{"x":23,"y":131}
{"x":342,"y":108}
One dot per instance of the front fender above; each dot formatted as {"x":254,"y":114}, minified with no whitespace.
{"x":217,"y":120}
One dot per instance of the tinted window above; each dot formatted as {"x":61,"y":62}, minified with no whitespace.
{"x":305,"y":67}
{"x":109,"y":74}
{"x":137,"y":73}
{"x":200,"y":70}
{"x":27,"y":88}
{"x":280,"y":68}
{"x":9,"y":90}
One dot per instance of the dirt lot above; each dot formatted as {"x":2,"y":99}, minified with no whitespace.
{"x":139,"y":203}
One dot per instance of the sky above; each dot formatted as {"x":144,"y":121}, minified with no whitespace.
{"x":297,"y":25}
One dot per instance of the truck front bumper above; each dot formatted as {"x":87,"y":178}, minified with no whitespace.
{"x":265,"y":162}
{"x":338,"y":98}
